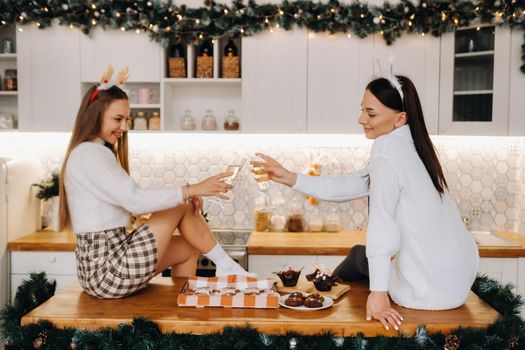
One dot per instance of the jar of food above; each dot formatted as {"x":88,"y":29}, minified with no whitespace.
{"x":278,"y":219}
{"x":140,"y":122}
{"x":295,"y":221}
{"x":154,"y":121}
{"x":188,"y":122}
{"x":231,"y":122}
{"x":208,"y":121}
{"x":315,"y":224}
{"x":262,"y":214}
{"x":10,"y":80}
{"x":332,"y":222}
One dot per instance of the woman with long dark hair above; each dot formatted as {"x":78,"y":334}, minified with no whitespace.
{"x":417,"y":250}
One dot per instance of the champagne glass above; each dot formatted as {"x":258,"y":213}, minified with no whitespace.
{"x":234,"y":166}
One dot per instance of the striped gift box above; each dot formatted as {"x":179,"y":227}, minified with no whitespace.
{"x":268,"y":299}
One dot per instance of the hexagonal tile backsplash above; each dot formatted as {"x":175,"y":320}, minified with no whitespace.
{"x":485,"y":175}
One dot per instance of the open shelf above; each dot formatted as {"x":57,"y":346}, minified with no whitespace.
{"x":473,"y":92}
{"x":8,"y":93}
{"x":7,"y":56}
{"x":145,"y":106}
{"x":202,"y":81}
{"x":474,"y":54}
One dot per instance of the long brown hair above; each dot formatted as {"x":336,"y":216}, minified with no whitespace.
{"x":390,"y":97}
{"x":87,"y":127}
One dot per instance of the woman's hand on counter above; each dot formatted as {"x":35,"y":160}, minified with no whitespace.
{"x":276,"y":172}
{"x":378,"y":307}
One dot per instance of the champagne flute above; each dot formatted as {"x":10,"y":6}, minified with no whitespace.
{"x":235,"y":166}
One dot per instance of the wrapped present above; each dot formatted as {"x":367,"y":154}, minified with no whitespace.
{"x":230,"y":291}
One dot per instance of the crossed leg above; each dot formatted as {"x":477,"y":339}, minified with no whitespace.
{"x":180,"y":252}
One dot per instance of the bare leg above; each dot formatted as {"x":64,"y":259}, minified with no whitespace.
{"x":164,"y":223}
{"x":196,"y":234}
{"x":181,"y":256}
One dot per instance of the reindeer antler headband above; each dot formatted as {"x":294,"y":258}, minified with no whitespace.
{"x":106,"y":83}
{"x":392,"y":79}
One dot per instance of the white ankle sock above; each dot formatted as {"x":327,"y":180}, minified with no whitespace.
{"x":225,"y":264}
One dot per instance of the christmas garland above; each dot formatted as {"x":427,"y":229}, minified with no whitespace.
{"x":507,"y":333}
{"x":168,"y":23}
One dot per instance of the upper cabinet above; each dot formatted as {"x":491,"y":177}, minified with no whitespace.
{"x":416,"y":57}
{"x":274,"y":80}
{"x":48,"y":78}
{"x":120,"y":49}
{"x":517,"y":86}
{"x":339,"y":67}
{"x":474,"y":82}
{"x":8,"y":78}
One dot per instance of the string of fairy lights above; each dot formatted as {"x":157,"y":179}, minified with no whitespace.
{"x":168,"y":23}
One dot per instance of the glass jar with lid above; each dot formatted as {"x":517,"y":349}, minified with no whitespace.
{"x":208,"y":121}
{"x":140,"y":122}
{"x":231,"y":122}
{"x":154,"y":121}
{"x":295,"y":222}
{"x":188,"y":121}
{"x":332,"y":222}
{"x":262,"y":213}
{"x":278,"y":219}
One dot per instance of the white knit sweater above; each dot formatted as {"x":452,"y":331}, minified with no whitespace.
{"x":417,"y":246}
{"x":101,"y":194}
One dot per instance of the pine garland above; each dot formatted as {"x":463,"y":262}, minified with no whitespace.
{"x":506,"y":333}
{"x":168,"y":23}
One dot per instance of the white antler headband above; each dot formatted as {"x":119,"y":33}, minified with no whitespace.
{"x":390,"y":76}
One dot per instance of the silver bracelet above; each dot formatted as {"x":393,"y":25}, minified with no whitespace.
{"x":188,"y":196}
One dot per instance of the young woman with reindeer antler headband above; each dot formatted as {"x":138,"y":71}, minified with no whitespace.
{"x":97,"y":196}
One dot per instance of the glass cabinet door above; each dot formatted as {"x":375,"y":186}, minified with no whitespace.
{"x":474,"y":81}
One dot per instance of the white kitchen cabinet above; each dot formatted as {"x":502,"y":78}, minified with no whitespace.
{"x":120,"y":49}
{"x":48,"y":78}
{"x":504,"y":270}
{"x":517,"y":87}
{"x":60,"y":266}
{"x":416,"y":57}
{"x":274,"y":79}
{"x":339,"y":68}
{"x":8,"y":99}
{"x":521,"y":281}
{"x":474,"y":81}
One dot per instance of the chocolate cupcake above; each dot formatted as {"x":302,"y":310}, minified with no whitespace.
{"x":313,"y":300}
{"x":295,"y":299}
{"x":290,"y":276}
{"x":322,"y":279}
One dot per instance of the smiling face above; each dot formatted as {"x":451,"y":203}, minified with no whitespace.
{"x":115,"y":121}
{"x":378,"y":119}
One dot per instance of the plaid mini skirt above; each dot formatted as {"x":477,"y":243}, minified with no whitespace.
{"x":114,"y":263}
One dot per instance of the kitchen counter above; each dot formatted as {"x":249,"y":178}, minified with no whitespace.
{"x":328,"y":243}
{"x":270,"y":243}
{"x":72,"y":307}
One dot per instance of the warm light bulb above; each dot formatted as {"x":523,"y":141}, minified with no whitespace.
{"x":225,"y":11}
{"x":281,"y":12}
{"x":349,"y":36}
{"x":122,"y":28}
{"x":94,"y":22}
{"x":197,"y":21}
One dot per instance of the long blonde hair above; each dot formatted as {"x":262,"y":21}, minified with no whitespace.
{"x":87,"y":127}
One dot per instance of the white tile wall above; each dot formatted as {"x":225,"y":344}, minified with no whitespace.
{"x":485,"y":174}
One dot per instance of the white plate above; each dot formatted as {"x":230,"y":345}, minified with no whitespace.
{"x":326,"y":304}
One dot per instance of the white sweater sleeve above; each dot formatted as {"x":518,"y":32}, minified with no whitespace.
{"x":334,"y":188}
{"x":383,"y":236}
{"x":96,"y":167}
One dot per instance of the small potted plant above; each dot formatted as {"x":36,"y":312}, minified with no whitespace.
{"x":49,"y":191}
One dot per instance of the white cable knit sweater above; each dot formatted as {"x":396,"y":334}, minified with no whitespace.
{"x":435,"y":259}
{"x":101,"y":194}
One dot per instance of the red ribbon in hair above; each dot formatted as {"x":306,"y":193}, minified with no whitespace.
{"x":93,"y":95}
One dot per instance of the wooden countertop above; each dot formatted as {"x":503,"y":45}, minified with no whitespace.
{"x":72,"y":307}
{"x":340,"y":243}
{"x":268,"y":243}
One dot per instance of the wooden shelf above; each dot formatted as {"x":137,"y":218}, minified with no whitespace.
{"x":202,"y":81}
{"x":8,"y":93}
{"x":473,"y":92}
